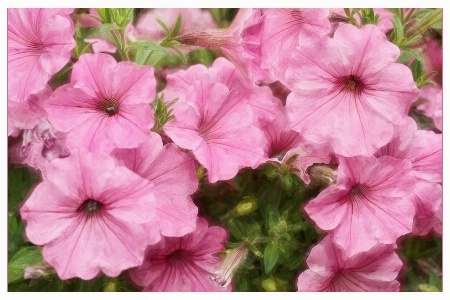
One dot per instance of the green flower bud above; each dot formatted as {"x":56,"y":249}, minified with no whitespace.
{"x":248,"y":205}
{"x":428,"y":288}
{"x":269,"y":285}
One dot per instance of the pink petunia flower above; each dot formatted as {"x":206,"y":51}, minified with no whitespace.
{"x":40,"y":42}
{"x":215,"y":122}
{"x":433,"y":104}
{"x":240,"y":42}
{"x":183,"y":264}
{"x":424,"y":150}
{"x":173,"y":175}
{"x":106,"y":104}
{"x":331,"y":270}
{"x":349,"y":90}
{"x":285,"y":29}
{"x":433,"y":56}
{"x":264,"y":105}
{"x":369,"y":203}
{"x":423,"y":226}
{"x":278,"y":137}
{"x":88,"y":215}
{"x":27,"y":114}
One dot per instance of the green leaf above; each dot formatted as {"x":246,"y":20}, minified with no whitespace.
{"x":176,"y":29}
{"x":101,"y":31}
{"x":270,"y":257}
{"x":398,"y":30}
{"x":20,"y":180}
{"x":201,"y":56}
{"x":347,"y":11}
{"x":417,"y":69}
{"x":28,"y":256}
{"x":164,"y":27}
{"x":15,"y":232}
{"x":408,"y":54}
{"x":149,"y":46}
{"x":235,"y":229}
{"x":104,"y":14}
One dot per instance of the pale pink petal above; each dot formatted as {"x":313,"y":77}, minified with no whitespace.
{"x":183,"y":264}
{"x":348,"y":91}
{"x":40,"y":42}
{"x":369,"y":204}
{"x":331,"y":270}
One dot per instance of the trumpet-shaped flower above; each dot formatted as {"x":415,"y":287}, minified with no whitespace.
{"x":106,"y":104}
{"x":369,"y":203}
{"x":88,"y":215}
{"x":183,"y":264}
{"x":173,"y":175}
{"x":40,"y":42}
{"x":349,"y":90}
{"x":331,"y":270}
{"x":215,"y":123}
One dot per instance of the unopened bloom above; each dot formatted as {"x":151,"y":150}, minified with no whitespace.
{"x":349,"y":90}
{"x":40,"y":42}
{"x":183,"y":264}
{"x":369,"y":203}
{"x":331,"y":270}
{"x":240,"y":42}
{"x":88,"y":215}
{"x":106,"y":104}
{"x":41,"y":145}
{"x":224,"y":273}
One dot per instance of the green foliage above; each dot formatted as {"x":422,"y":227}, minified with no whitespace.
{"x":119,"y":16}
{"x":162,"y":112}
{"x":25,"y":257}
{"x":423,"y":264}
{"x":223,"y":16}
{"x":276,"y":231}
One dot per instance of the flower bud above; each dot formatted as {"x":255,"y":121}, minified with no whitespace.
{"x":269,"y":285}
{"x":200,"y":172}
{"x":230,"y":264}
{"x":110,"y":286}
{"x":274,"y":284}
{"x":37,"y":271}
{"x":322,"y":174}
{"x":248,"y":205}
{"x":428,"y":288}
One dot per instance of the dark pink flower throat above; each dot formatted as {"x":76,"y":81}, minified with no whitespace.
{"x":109,"y":106}
{"x":90,"y":207}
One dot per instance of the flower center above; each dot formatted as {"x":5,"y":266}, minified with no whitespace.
{"x":358,"y":190}
{"x":109,"y":106}
{"x":177,"y":255}
{"x":90,"y":207}
{"x":352,"y":84}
